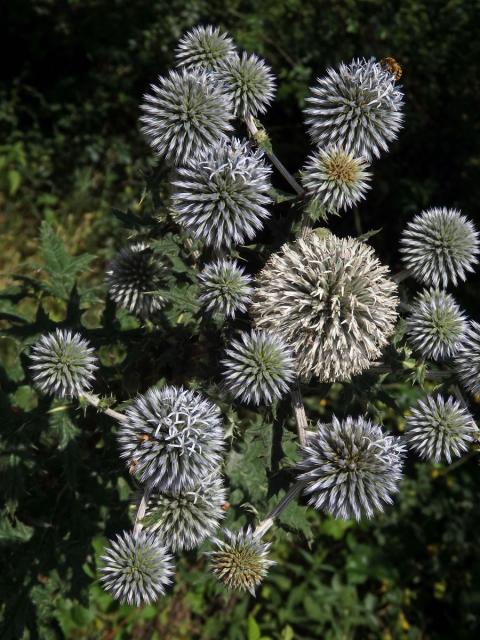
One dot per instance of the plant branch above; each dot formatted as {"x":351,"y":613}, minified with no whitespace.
{"x":95,"y":402}
{"x":299,"y":412}
{"x":292,"y":493}
{"x":142,"y":508}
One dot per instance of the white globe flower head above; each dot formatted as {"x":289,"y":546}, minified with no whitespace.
{"x":204,"y":47}
{"x":358,"y":106}
{"x":467,"y":359}
{"x":225,"y":288}
{"x":184,"y":114}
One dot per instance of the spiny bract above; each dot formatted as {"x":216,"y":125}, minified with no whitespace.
{"x":439,"y":246}
{"x":467,"y":359}
{"x":185,"y":114}
{"x":221,"y":197}
{"x":439,"y":429}
{"x":171,"y":438}
{"x":136,"y":568}
{"x":63,"y":364}
{"x":358,"y":106}
{"x":332,"y":301}
{"x":259,"y":367}
{"x":204,"y":47}
{"x":225,"y":288}
{"x":351,"y":468}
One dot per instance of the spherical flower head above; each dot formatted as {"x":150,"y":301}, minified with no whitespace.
{"x":358,"y":106}
{"x":225,"y":288}
{"x":185,"y":114}
{"x":439,"y":429}
{"x":204,"y":47}
{"x":171,"y":438}
{"x":439,"y":246}
{"x":249,"y":82}
{"x":221,"y":197}
{"x":331,"y":300}
{"x":136,"y":568}
{"x":184,"y":520}
{"x":467,"y":359}
{"x":335,"y":178}
{"x":132,"y":278}
{"x":436,"y":325}
{"x":240,"y":560}
{"x":351,"y":468}
{"x":259,"y":367}
{"x":63,"y":364}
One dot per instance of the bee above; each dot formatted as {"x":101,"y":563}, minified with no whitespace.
{"x":226,"y":506}
{"x":393,"y":66}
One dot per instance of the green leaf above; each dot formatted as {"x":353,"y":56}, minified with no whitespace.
{"x":253,"y":630}
{"x":62,"y":427}
{"x":18,"y":532}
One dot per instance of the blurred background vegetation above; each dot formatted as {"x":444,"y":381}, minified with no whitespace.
{"x":70,"y":151}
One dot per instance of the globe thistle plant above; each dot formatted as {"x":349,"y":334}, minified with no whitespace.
{"x":204,"y":47}
{"x":467,"y":359}
{"x":259,"y":367}
{"x":132,"y":279}
{"x":331,"y":300}
{"x":184,"y":520}
{"x":351,"y":468}
{"x":249,"y":82}
{"x":225,"y":288}
{"x":63,"y":364}
{"x":172,"y":438}
{"x":358,"y":106}
{"x":440,"y":429}
{"x":335,"y":178}
{"x":240,"y":561}
{"x":136,"y":568}
{"x":436,"y":325}
{"x":184,"y":114}
{"x":221,"y":197}
{"x":440,"y":246}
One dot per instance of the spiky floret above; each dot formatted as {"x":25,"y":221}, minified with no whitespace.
{"x":440,"y":246}
{"x":436,"y":325}
{"x":136,"y":568}
{"x":172,"y":438}
{"x":240,"y":560}
{"x":63,"y":364}
{"x":221,"y":197}
{"x":204,"y":47}
{"x":332,"y":301}
{"x":185,"y":114}
{"x":132,"y":278}
{"x":467,"y":359}
{"x":357,"y":106}
{"x":225,"y":288}
{"x":351,"y":468}
{"x":249,"y":82}
{"x":186,"y":519}
{"x":439,"y":429}
{"x":335,"y":178}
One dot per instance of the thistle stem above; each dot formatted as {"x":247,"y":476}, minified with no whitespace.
{"x":299,"y":412}
{"x":142,"y":508}
{"x":266,"y":524}
{"x":400,"y":276}
{"x":95,"y":402}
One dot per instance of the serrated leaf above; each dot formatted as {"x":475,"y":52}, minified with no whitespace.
{"x":18,"y":532}
{"x":62,"y":427}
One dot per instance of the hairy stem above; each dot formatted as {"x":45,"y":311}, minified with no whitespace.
{"x":400,"y":276}
{"x":95,"y":402}
{"x":292,"y":493}
{"x":142,"y":508}
{"x":299,"y":412}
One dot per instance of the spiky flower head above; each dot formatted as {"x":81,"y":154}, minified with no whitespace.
{"x":184,"y":520}
{"x":332,"y":301}
{"x":335,"y":178}
{"x":436,"y":325}
{"x":225,"y":288}
{"x":136,"y":568}
{"x":439,"y":429}
{"x":357,"y":106}
{"x":440,"y":246}
{"x":204,"y":47}
{"x":240,"y":560}
{"x":184,"y":114}
{"x":63,"y":364}
{"x":467,"y":359}
{"x":221,"y":197}
{"x":132,"y":278}
{"x":249,"y":82}
{"x":351,"y":468}
{"x":171,"y":438}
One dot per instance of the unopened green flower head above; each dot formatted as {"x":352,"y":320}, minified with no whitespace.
{"x":225,"y":288}
{"x":467,"y":359}
{"x":204,"y":47}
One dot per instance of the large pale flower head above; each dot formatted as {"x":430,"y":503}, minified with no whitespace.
{"x":440,"y":246}
{"x":171,"y":438}
{"x":221,"y":197}
{"x":225,"y":288}
{"x":184,"y":114}
{"x":467,"y":359}
{"x":358,"y":106}
{"x":204,"y":47}
{"x":332,"y":301}
{"x":351,"y":468}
